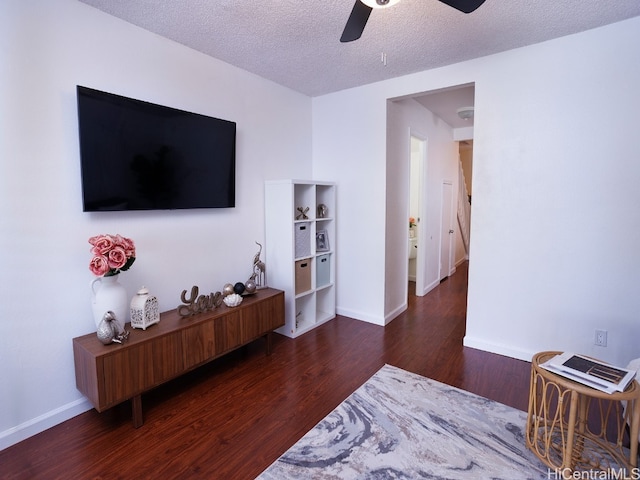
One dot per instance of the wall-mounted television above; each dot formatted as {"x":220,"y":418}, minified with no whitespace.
{"x":136,"y":155}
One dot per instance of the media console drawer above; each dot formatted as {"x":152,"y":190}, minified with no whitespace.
{"x":110,"y":374}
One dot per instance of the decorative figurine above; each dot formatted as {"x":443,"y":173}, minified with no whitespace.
{"x":259,"y":270}
{"x":323,"y":211}
{"x":303,"y":213}
{"x":109,"y":330}
{"x":233,"y":300}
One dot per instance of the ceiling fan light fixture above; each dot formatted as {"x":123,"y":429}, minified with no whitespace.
{"x":379,"y":3}
{"x":465,"y":113}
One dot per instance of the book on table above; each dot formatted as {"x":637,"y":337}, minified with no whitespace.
{"x":590,"y":372}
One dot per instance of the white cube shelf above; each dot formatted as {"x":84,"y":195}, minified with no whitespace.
{"x":300,"y":250}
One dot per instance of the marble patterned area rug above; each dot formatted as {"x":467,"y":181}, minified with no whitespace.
{"x":400,"y":425}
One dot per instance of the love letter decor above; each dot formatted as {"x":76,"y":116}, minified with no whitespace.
{"x":198,"y":303}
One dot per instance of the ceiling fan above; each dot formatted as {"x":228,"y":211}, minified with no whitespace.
{"x":362,"y":9}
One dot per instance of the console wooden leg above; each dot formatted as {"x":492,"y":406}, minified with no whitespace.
{"x":136,"y":411}
{"x":268,"y":339}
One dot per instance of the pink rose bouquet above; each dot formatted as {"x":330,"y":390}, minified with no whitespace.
{"x":112,"y":254}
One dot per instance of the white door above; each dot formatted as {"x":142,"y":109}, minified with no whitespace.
{"x":446,"y":230}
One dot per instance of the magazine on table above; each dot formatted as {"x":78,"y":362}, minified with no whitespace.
{"x":592,"y":373}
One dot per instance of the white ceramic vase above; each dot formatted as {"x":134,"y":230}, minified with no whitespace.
{"x":107,"y":294}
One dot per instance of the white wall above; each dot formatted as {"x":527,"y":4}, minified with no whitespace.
{"x":49,"y":48}
{"x":349,"y":147}
{"x":555,"y":218}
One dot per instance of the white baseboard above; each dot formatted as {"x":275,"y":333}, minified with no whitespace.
{"x":391,"y":315}
{"x":428,"y":288}
{"x":462,"y":260}
{"x":505,"y":350}
{"x":39,"y":424}
{"x":369,"y":319}
{"x":360,"y":316}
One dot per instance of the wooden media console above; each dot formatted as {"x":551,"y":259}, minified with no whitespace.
{"x":110,"y":374}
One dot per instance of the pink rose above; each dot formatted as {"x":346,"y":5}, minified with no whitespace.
{"x":99,"y":265}
{"x":127,"y":244}
{"x":101,"y":244}
{"x":117,"y":258}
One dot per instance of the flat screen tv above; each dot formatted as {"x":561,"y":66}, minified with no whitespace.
{"x":136,"y":155}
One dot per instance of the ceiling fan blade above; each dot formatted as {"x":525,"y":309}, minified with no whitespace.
{"x":356,"y":22}
{"x":465,"y":6}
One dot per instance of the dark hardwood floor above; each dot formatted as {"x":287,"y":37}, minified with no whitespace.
{"x":233,"y":417}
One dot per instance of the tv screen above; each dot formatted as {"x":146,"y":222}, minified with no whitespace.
{"x":136,"y":155}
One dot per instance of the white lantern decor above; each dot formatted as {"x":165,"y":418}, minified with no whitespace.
{"x":144,"y":309}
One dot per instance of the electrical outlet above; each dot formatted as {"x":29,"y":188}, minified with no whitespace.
{"x":601,"y":338}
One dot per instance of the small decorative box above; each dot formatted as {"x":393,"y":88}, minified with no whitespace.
{"x":144,"y":309}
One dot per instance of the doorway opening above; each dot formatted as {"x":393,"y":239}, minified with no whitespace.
{"x":436,"y":243}
{"x":417,"y":195}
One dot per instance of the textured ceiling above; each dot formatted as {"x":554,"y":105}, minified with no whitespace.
{"x":296,"y":42}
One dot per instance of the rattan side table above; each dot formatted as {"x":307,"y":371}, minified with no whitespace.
{"x":574,"y":427}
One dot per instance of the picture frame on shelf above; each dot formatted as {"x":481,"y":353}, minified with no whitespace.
{"x":322,"y":241}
